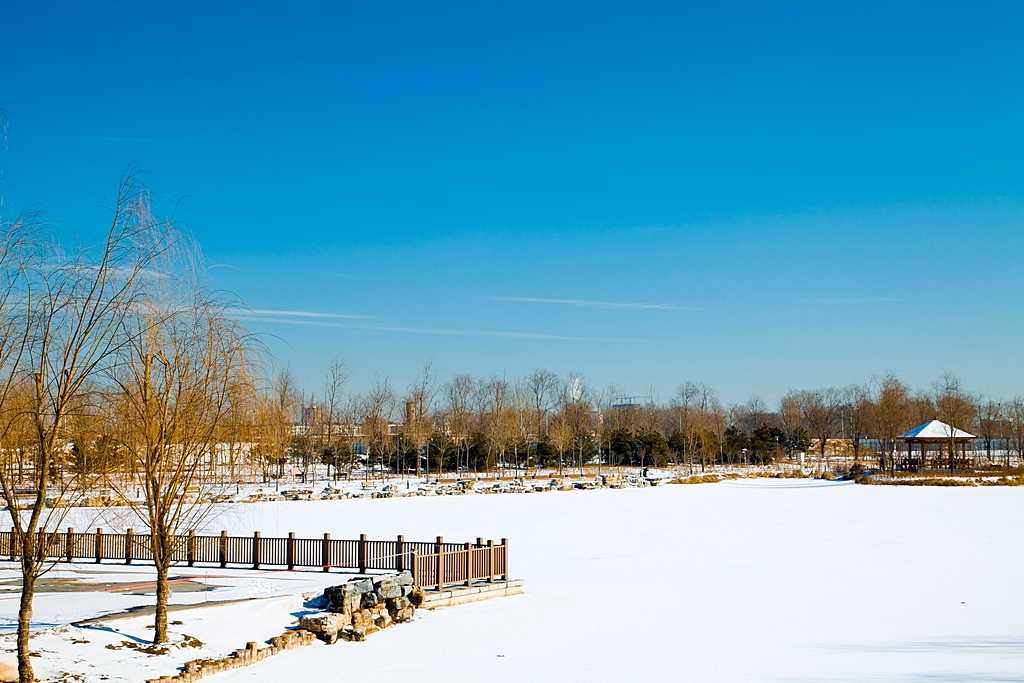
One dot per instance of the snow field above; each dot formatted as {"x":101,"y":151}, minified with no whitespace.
{"x":759,"y":580}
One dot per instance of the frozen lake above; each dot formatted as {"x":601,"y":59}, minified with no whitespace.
{"x":764,"y":580}
{"x":756,"y":580}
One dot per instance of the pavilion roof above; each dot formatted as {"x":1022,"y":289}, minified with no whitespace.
{"x":935,"y":429}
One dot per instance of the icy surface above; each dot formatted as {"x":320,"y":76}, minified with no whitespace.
{"x":781,"y":580}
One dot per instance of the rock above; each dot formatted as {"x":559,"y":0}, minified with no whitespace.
{"x":369,"y":600}
{"x":325,"y":626}
{"x":416,"y":597}
{"x":396,"y":604}
{"x":359,"y":586}
{"x":390,"y":590}
{"x":353,"y":634}
{"x":404,"y":579}
{"x":404,"y":614}
{"x":320,"y":623}
{"x":362,"y":619}
{"x":344,"y":599}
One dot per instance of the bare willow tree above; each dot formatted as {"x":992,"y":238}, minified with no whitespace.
{"x":955,"y":407}
{"x":276,"y":411}
{"x":496,"y":419}
{"x":62,"y":315}
{"x":176,"y":374}
{"x":458,"y":394}
{"x":820,"y":409}
{"x":421,"y":395}
{"x":333,"y":413}
{"x":376,"y":409}
{"x":891,"y":416}
{"x":859,"y":415}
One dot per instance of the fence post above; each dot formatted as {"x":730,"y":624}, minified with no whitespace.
{"x":479,"y":542}
{"x":504,"y":558}
{"x":255,"y":550}
{"x":190,"y":547}
{"x":400,"y":553}
{"x":128,"y":546}
{"x":490,"y":561}
{"x":291,"y":550}
{"x":362,"y":553}
{"x":99,"y":544}
{"x":326,"y":553}
{"x":69,"y":544}
{"x":469,"y":564}
{"x":440,"y":562}
{"x":412,"y":567}
{"x":223,"y":549}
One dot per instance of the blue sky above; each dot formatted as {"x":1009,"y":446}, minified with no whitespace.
{"x":756,"y":195}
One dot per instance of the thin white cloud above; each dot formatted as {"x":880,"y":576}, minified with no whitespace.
{"x":243,"y":312}
{"x":855,"y":300}
{"x":447,"y":331}
{"x":583,"y":303}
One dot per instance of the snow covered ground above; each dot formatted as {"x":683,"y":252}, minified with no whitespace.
{"x":766,"y":580}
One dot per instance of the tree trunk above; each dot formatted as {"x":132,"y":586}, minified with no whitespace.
{"x":162,"y":592}
{"x":28,"y":589}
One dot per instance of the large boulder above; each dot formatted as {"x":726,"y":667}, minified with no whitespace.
{"x":324,"y":625}
{"x":399,"y":603}
{"x":346,"y":598}
{"x":389,"y":590}
{"x":404,"y":614}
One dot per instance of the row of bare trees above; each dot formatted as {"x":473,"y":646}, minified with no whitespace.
{"x":493,"y":423}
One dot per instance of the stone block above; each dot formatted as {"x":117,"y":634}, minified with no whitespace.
{"x":323,"y":624}
{"x":369,"y":600}
{"x":361,"y":619}
{"x":404,"y":579}
{"x":395,"y":604}
{"x":404,"y":614}
{"x":359,"y":586}
{"x":353,"y":634}
{"x":390,"y":590}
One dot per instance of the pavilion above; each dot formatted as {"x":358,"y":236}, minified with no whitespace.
{"x":945,"y":439}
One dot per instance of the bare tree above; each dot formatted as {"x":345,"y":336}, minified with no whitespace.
{"x":61,"y":327}
{"x":859,"y":415}
{"x":175,"y":377}
{"x":891,"y":417}
{"x":376,"y":410}
{"x":334,"y":387}
{"x":1015,"y":428}
{"x":421,"y":395}
{"x":820,"y":410}
{"x":955,"y":407}
{"x":459,"y":392}
{"x":990,"y":423}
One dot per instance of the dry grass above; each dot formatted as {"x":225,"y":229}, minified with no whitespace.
{"x":697,"y":479}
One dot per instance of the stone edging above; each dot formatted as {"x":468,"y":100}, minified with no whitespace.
{"x":198,"y":668}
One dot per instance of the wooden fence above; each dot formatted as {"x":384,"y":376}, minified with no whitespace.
{"x":434,"y":564}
